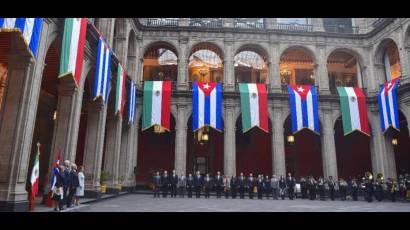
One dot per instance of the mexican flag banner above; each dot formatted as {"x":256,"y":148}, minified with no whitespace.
{"x":156,"y":104}
{"x":120,"y":90}
{"x":254,"y":106}
{"x":72,"y":49}
{"x":35,"y":173}
{"x":354,"y":110}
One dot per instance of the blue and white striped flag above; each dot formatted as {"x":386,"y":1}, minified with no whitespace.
{"x":30,"y":29}
{"x":131,"y":102}
{"x":388,"y":108}
{"x":304,"y":108}
{"x":206,"y":105}
{"x":102,"y":71}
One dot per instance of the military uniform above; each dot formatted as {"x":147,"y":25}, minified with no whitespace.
{"x":331,"y":183}
{"x":369,"y":190}
{"x":379,"y":189}
{"x":355,"y":189}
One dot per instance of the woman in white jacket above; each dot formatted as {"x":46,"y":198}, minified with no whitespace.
{"x":80,"y":189}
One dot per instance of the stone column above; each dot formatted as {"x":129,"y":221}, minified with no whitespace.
{"x":274,"y":76}
{"x":15,"y":146}
{"x":180,"y":140}
{"x":112,"y":151}
{"x":182,"y":81}
{"x":229,"y":141}
{"x":321,"y":70}
{"x":63,"y":136}
{"x":127,"y":151}
{"x":328,"y":147}
{"x":377,"y":147}
{"x":278,"y":145}
{"x":94,"y":144}
{"x":405,"y":62}
{"x":317,"y":24}
{"x":229,"y":74}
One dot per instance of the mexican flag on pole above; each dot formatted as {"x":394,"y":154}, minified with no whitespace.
{"x":120,"y":90}
{"x":354,"y":110}
{"x":156,"y":104}
{"x":72,"y":49}
{"x":254,"y":106}
{"x":35,"y":173}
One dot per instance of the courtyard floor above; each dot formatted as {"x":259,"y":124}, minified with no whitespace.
{"x":146,"y":203}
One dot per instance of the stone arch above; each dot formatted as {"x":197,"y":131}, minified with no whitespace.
{"x":167,"y":44}
{"x":350,"y":50}
{"x":215,"y":47}
{"x":257,"y":48}
{"x":307,"y":49}
{"x":381,"y":47}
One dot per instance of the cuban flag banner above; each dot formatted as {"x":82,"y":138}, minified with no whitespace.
{"x":304,"y":108}
{"x":388,"y":108}
{"x":102,"y":71}
{"x":131,"y":102}
{"x":30,"y":29}
{"x":206,"y":105}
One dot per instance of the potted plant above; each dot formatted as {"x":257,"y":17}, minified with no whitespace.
{"x":103,"y":178}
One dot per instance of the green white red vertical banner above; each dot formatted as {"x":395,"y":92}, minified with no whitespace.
{"x":156,"y":108}
{"x":120,"y":90}
{"x":354,"y":110}
{"x":72,"y":49}
{"x":35,"y":174}
{"x":254,"y":106}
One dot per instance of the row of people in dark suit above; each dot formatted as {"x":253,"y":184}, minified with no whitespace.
{"x":272,"y":187}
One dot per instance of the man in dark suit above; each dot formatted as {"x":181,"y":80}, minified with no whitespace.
{"x":242,"y":186}
{"x":174,"y":183}
{"x":165,"y":184}
{"x":234,"y":185}
{"x":190,"y":185}
{"x":207,"y":185}
{"x":267,"y":186}
{"x":198,"y":183}
{"x":260,"y":187}
{"x":218,"y":184}
{"x":157,"y":184}
{"x":250,"y":184}
{"x":290,"y":183}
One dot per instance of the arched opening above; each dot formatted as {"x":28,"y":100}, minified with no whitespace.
{"x":46,"y":116}
{"x":391,"y":61}
{"x":296,"y":67}
{"x":205,"y":63}
{"x":253,"y":150}
{"x":250,"y":66}
{"x":352,"y":152}
{"x":205,"y":150}
{"x":401,"y":145}
{"x":303,"y":153}
{"x":82,"y":130}
{"x":343,"y":70}
{"x":160,"y":63}
{"x":153,"y":156}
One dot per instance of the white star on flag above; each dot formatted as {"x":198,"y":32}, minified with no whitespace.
{"x":300,"y":89}
{"x":388,"y":85}
{"x":206,"y":86}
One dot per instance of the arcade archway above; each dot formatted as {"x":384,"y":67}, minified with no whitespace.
{"x":253,"y":150}
{"x":160,"y":63}
{"x":205,"y":63}
{"x":250,"y":66}
{"x":352,"y":152}
{"x":303,"y":154}
{"x":297,"y":66}
{"x":153,"y":156}
{"x":401,"y":145}
{"x":205,"y":150}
